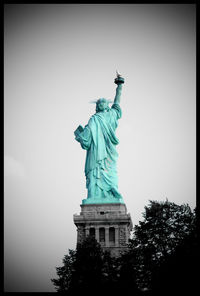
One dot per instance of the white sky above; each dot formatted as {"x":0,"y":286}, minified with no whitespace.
{"x":57,"y":59}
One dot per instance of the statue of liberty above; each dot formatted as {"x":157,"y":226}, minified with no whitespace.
{"x":99,"y":139}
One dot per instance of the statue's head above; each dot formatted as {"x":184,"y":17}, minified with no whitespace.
{"x":102,"y":105}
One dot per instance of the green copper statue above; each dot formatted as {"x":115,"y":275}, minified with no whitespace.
{"x":99,"y":139}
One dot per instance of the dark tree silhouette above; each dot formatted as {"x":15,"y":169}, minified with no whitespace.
{"x":164,"y":227}
{"x":82,"y":269}
{"x":87,"y":274}
{"x":178,"y":274}
{"x":63,"y":283}
{"x":127,"y":274}
{"x":89,"y":270}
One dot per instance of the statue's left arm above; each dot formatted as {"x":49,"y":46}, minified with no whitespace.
{"x":83,"y":136}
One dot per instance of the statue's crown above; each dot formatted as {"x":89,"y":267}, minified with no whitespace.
{"x":101,"y":99}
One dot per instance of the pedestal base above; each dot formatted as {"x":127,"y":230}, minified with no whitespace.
{"x":95,"y":200}
{"x":109,"y":223}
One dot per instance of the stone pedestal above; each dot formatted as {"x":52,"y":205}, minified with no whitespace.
{"x":108,"y":223}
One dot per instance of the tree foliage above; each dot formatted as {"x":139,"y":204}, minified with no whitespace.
{"x":164,"y":228}
{"x":87,"y":268}
{"x":63,"y":283}
{"x":178,"y":274}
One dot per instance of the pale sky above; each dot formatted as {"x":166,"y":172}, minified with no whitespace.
{"x":58,"y":58}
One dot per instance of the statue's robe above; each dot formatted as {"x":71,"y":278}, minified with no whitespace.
{"x":99,"y":139}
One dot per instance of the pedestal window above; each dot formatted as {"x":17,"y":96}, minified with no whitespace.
{"x":112,"y":235}
{"x":102,"y":234}
{"x":92,"y":232}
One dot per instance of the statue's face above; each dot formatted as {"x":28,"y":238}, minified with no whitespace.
{"x":102,"y":104}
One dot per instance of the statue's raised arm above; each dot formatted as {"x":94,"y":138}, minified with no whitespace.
{"x":119,"y":81}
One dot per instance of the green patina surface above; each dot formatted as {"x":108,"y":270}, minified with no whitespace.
{"x":99,"y":139}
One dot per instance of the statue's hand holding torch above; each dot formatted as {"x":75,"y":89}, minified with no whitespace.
{"x":119,"y":79}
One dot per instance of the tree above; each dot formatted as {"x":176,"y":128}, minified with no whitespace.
{"x":63,"y":283}
{"x":127,"y":274}
{"x":82,"y":269}
{"x":178,"y":275}
{"x":88,"y":269}
{"x":164,"y":227}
